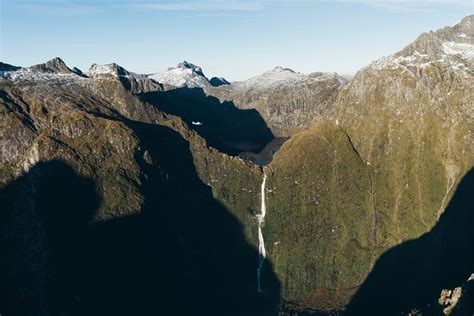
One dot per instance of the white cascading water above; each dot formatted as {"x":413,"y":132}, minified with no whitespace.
{"x":262,"y":254}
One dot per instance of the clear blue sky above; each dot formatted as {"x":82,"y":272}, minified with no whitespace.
{"x":235,"y":39}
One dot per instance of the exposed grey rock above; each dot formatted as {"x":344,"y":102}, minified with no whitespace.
{"x":288,"y":101}
{"x":131,"y":81}
{"x":55,"y":65}
{"x":452,"y":46}
{"x":188,"y":65}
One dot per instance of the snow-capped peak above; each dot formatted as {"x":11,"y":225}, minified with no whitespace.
{"x":279,"y":76}
{"x":452,"y":46}
{"x":188,"y":65}
{"x":185,"y":74}
{"x":97,"y":71}
{"x":55,"y":65}
{"x":54,"y":69}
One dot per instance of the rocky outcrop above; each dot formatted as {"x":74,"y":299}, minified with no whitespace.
{"x":459,"y":301}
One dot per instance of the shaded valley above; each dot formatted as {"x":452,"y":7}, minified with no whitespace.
{"x":225,"y":127}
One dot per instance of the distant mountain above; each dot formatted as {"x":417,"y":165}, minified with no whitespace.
{"x":278,"y":76}
{"x":184,"y":74}
{"x":452,"y":47}
{"x":55,"y":65}
{"x":107,"y":70}
{"x":57,"y":70}
{"x":288,"y":101}
{"x":131,"y":81}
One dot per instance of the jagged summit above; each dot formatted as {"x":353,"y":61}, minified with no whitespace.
{"x":112,"y":69}
{"x":188,"y":65}
{"x":131,"y":81}
{"x":465,"y":26}
{"x":447,"y":40}
{"x":55,"y":65}
{"x":185,"y":74}
{"x":452,"y":46}
{"x":55,"y":69}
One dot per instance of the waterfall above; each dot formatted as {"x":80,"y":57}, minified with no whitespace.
{"x":261,"y":242}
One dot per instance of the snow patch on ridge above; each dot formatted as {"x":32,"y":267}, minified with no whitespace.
{"x":98,"y":70}
{"x":465,"y":50}
{"x":25,"y":74}
{"x":280,"y":76}
{"x":451,"y":46}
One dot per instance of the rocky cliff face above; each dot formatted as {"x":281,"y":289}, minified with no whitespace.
{"x":288,"y":101}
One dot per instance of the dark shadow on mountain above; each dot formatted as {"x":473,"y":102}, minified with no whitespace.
{"x":413,"y":274}
{"x":217,"y":82}
{"x":223,"y":125}
{"x":265,"y":156}
{"x":44,"y":217}
{"x":8,"y":67}
{"x":182,"y":254}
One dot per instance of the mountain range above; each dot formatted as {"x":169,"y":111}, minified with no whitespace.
{"x":135,"y":193}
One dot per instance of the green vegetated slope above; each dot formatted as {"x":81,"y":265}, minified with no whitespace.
{"x":320,"y":223}
{"x":418,"y":148}
{"x":337,"y":204}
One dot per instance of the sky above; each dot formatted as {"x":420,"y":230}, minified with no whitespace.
{"x":235,"y":39}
